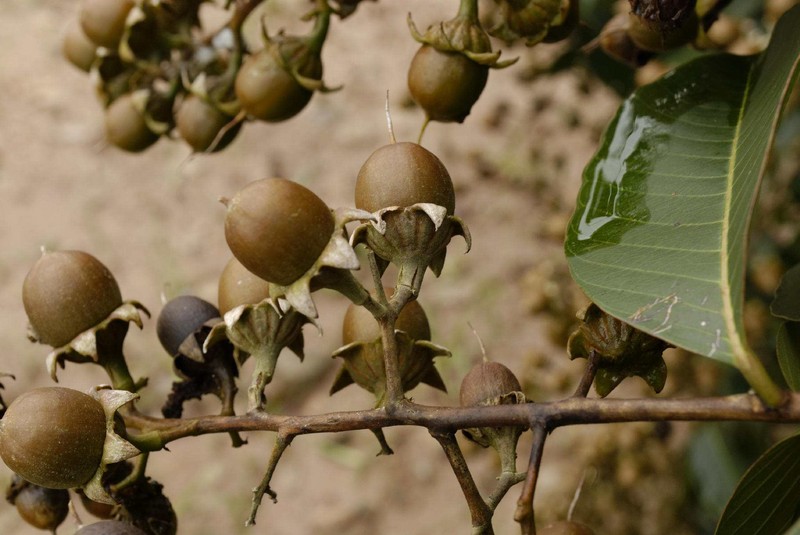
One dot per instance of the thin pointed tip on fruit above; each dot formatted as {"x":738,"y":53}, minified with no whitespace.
{"x":484,"y":358}
{"x":389,"y":120}
{"x":422,"y":130}
{"x":241,"y":116}
{"x":225,"y":200}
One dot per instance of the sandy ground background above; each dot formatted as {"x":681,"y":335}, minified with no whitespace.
{"x":155,"y":221}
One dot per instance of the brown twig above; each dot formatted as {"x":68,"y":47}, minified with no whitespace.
{"x":282,"y":441}
{"x":157,"y":432}
{"x":478,"y":509}
{"x":524,"y":513}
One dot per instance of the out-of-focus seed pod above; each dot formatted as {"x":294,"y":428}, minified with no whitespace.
{"x":77,"y":48}
{"x":103,"y":21}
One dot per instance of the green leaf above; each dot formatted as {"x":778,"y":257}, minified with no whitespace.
{"x":659,"y":235}
{"x":768,"y":496}
{"x":786,"y":304}
{"x":788,"y":349}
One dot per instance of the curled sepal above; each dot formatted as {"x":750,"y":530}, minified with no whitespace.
{"x":462,"y":34}
{"x":337,"y":255}
{"x":252,"y":328}
{"x":363,"y":365}
{"x":115,"y":448}
{"x":413,"y":238}
{"x":98,"y":343}
{"x":530,"y":20}
{"x":623,"y":350}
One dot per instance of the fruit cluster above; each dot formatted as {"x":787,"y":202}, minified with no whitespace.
{"x":159,"y":72}
{"x":286,"y":244}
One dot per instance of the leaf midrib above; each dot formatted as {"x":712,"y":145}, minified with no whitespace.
{"x":737,"y":345}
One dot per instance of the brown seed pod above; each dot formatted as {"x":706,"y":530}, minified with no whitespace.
{"x":126,"y":127}
{"x":403,"y":174}
{"x":445,"y":84}
{"x":77,"y":48}
{"x":66,"y":293}
{"x":359,"y":325}
{"x":38,"y":506}
{"x":103,"y":21}
{"x":487,"y":381}
{"x":199,"y":124}
{"x":267,"y":91}
{"x":53,"y":437}
{"x":238,"y":286}
{"x":277,"y":229}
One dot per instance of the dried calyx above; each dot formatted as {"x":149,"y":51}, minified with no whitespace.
{"x":256,"y":326}
{"x":622,"y":351}
{"x":535,"y":20}
{"x":362,"y":352}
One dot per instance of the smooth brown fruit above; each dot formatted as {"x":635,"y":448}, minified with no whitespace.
{"x":199,"y":123}
{"x":445,"y":84}
{"x":78,"y":48}
{"x":40,"y":507}
{"x":277,"y":229}
{"x":486,"y":381}
{"x":66,"y":293}
{"x":403,"y":174}
{"x":267,"y":91}
{"x":359,"y":325}
{"x":238,"y":286}
{"x":53,"y":437}
{"x":126,"y":127}
{"x":103,"y":21}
